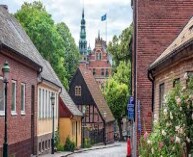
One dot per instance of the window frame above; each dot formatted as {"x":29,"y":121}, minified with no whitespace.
{"x":175,"y":82}
{"x":161,"y":95}
{"x":78,"y":90}
{"x":14,"y":112}
{"x":24,"y":100}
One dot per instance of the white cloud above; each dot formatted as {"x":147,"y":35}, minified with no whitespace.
{"x":119,"y":15}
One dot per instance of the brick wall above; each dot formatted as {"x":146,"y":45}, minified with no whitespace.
{"x":157,"y":25}
{"x":168,"y":75}
{"x":19,"y":126}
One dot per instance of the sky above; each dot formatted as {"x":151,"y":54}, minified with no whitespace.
{"x":119,"y":15}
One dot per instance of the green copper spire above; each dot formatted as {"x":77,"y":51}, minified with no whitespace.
{"x":82,"y":41}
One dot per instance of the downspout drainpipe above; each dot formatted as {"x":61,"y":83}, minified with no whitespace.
{"x":152,"y":79}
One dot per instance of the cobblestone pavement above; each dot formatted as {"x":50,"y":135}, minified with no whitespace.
{"x":117,"y":151}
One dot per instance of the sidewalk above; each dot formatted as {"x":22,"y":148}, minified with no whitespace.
{"x":65,"y":154}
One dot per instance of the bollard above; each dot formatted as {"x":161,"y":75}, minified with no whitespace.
{"x":128,"y":147}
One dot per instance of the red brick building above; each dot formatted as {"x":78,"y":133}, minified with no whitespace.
{"x":17,"y":49}
{"x":156,"y":25}
{"x":99,"y":61}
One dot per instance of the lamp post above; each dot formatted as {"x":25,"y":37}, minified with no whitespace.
{"x":52,"y":101}
{"x":84,"y":119}
{"x":5,"y":71}
{"x":105,"y":115}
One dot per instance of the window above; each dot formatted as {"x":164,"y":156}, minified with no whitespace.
{"x":176,"y":82}
{"x":39,"y":100}
{"x":22,"y":98}
{"x":43,"y":104}
{"x":2,"y":96}
{"x":161,"y":95}
{"x":107,"y":72}
{"x":102,"y":72}
{"x":40,"y":149}
{"x":99,"y":56}
{"x":94,"y":71}
{"x":78,"y":91}
{"x":13,"y":97}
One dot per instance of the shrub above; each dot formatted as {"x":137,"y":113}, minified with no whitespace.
{"x":87,"y":143}
{"x":69,"y":145}
{"x":60,"y":147}
{"x":172,"y":134}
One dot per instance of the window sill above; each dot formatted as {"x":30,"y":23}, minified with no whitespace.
{"x":23,"y":113}
{"x":2,"y":114}
{"x":13,"y":113}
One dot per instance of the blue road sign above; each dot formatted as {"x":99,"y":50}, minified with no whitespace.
{"x":130,"y":108}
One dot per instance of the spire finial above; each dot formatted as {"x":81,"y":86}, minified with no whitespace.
{"x":98,"y":34}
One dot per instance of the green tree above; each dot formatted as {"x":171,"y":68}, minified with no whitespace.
{"x":116,"y":95}
{"x":120,"y":46}
{"x":71,"y":55}
{"x":122,"y":74}
{"x":41,"y":29}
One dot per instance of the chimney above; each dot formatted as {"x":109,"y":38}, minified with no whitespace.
{"x":4,"y":6}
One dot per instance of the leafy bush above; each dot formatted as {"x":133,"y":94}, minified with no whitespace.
{"x":69,"y":145}
{"x":87,"y":143}
{"x":60,"y":147}
{"x":172,"y":134}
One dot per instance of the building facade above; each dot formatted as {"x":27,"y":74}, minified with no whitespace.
{"x":98,"y":121}
{"x":156,"y":24}
{"x":70,"y":122}
{"x":99,"y":62}
{"x":15,"y":48}
{"x":172,"y":65}
{"x":47,"y":85}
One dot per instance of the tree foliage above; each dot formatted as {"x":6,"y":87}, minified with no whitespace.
{"x":53,"y":42}
{"x":120,"y":46}
{"x":116,"y":92}
{"x":71,"y":55}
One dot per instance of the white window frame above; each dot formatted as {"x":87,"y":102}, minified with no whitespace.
{"x":2,"y":112}
{"x":15,"y":111}
{"x":39,"y":102}
{"x":24,"y":92}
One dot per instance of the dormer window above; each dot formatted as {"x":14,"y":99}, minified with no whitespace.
{"x":78,"y":91}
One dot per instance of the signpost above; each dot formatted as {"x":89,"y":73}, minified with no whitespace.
{"x":130,"y":108}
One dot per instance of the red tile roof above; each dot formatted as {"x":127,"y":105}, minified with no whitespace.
{"x":96,"y":94}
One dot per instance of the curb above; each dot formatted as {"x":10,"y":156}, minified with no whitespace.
{"x":84,"y":150}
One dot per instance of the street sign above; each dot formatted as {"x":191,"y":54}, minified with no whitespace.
{"x":130,"y":108}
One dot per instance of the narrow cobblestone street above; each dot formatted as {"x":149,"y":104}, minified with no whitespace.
{"x":117,"y":151}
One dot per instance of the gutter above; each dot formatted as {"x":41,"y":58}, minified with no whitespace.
{"x":152,"y":79}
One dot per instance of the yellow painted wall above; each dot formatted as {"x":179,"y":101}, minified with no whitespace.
{"x":66,"y":129}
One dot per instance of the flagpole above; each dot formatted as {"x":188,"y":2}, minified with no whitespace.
{"x":106,"y":28}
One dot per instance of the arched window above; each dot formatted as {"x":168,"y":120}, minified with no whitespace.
{"x":99,"y":56}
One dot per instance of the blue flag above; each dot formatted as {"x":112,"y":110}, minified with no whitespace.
{"x":104,"y":17}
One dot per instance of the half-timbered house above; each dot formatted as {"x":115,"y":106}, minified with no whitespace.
{"x":98,"y":120}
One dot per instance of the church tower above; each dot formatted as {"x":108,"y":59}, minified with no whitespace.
{"x":82,"y":41}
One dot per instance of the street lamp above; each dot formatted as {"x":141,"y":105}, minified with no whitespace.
{"x":52,"y":102}
{"x":105,"y":115}
{"x":84,"y":119}
{"x":5,"y":71}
